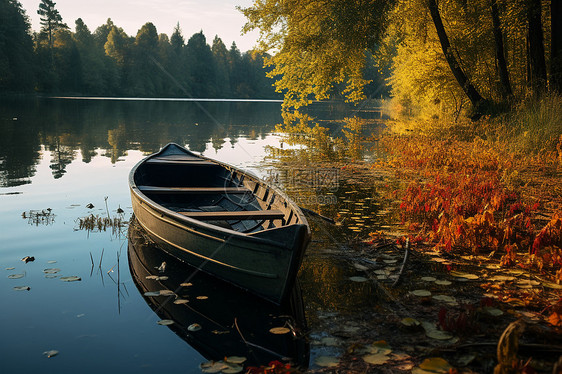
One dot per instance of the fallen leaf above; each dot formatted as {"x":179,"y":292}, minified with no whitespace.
{"x":165,"y":322}
{"x":51,"y":353}
{"x":279,"y":330}
{"x":235,"y":359}
{"x":152,"y":293}
{"x":72,"y":278}
{"x":16,"y":276}
{"x":194,"y":327}
{"x":358,"y":279}
{"x":421,"y":293}
{"x":181,"y":301}
{"x":428,"y":279}
{"x":326,"y":361}
{"x":443,"y":282}
{"x":376,"y":358}
{"x":22,"y":288}
{"x":435,"y":365}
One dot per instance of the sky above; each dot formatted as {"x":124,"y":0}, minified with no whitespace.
{"x":214,"y":17}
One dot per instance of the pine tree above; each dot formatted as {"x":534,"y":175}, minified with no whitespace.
{"x":51,"y":19}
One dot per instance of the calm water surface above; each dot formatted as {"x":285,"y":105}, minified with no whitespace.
{"x":56,"y":157}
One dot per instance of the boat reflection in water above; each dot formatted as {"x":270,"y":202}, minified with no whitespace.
{"x":218,"y":320}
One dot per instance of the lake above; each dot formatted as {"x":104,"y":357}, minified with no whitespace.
{"x":83,"y":295}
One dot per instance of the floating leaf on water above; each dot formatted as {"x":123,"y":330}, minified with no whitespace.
{"x":80,"y":315}
{"x":22,"y":288}
{"x":428,"y":279}
{"x":443,"y":282}
{"x":152,"y":277}
{"x":10,"y":268}
{"x":382,"y":277}
{"x":232,"y":368}
{"x":438,"y":334}
{"x":235,"y":359}
{"x":279,"y":330}
{"x":27,"y":259}
{"x":466,"y":359}
{"x":194,"y":327}
{"x":165,"y":322}
{"x":166,"y":293}
{"x":51,"y":271}
{"x":72,"y":278}
{"x":376,"y":358}
{"x":494,"y":312}
{"x":51,"y":262}
{"x":527,"y":283}
{"x":51,"y":353}
{"x":360,"y":267}
{"x":460,"y":274}
{"x":51,"y":276}
{"x":152,"y":293}
{"x":181,"y":301}
{"x":410,"y":322}
{"x":358,"y":279}
{"x":16,"y":276}
{"x":435,"y":365}
{"x":213,"y":366}
{"x":421,"y":293}
{"x":326,"y":361}
{"x":162,"y":278}
{"x":202,"y":297}
{"x":186,"y":284}
{"x":381,"y":272}
{"x":390,"y":261}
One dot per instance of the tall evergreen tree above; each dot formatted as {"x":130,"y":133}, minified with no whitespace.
{"x":222,"y":78}
{"x":16,"y":48}
{"x":50,"y":19}
{"x":199,"y":66}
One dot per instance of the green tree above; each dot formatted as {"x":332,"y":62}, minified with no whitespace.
{"x":199,"y":66}
{"x":50,"y":19}
{"x":318,"y":44}
{"x":67,"y":62}
{"x":16,"y":48}
{"x":144,"y":75}
{"x":222,"y":76}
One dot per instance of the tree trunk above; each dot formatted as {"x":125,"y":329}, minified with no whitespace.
{"x":470,"y":91}
{"x":506,"y":91}
{"x":556,"y":46}
{"x":537,"y":65}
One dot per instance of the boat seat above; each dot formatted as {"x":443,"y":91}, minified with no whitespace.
{"x":180,"y":161}
{"x":237,"y":215}
{"x":193,"y":190}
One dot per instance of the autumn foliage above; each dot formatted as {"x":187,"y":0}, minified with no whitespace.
{"x":460,"y":198}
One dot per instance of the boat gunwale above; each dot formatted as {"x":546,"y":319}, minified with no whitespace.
{"x":178,"y":218}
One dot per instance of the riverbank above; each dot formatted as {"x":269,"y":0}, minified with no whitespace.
{"x":483,"y":224}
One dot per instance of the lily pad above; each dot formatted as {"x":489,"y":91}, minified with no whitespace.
{"x":428,"y":279}
{"x":16,"y":276}
{"x":202,"y":297}
{"x":410,"y":322}
{"x":72,"y":278}
{"x":279,"y":330}
{"x":446,"y":299}
{"x":459,"y":274}
{"x":165,"y":322}
{"x":181,"y":301}
{"x":232,"y":368}
{"x":380,"y":347}
{"x":51,"y":262}
{"x":166,"y":293}
{"x":186,"y":284}
{"x":435,"y":365}
{"x":438,"y":334}
{"x":235,"y":359}
{"x":51,"y":271}
{"x":11,"y":268}
{"x":376,"y":358}
{"x":22,"y":288}
{"x":421,"y":293}
{"x":443,"y":282}
{"x":194,"y":327}
{"x":51,"y":353}
{"x":213,"y":366}
{"x":501,"y":278}
{"x":358,"y":279}
{"x":326,"y":361}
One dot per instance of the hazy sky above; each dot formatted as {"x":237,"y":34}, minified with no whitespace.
{"x":214,"y":17}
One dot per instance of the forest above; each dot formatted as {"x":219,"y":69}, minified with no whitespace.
{"x":109,"y":62}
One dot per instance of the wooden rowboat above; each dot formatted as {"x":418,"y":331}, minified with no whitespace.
{"x":221,"y":220}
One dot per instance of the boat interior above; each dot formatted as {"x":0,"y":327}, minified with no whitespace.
{"x":207,"y":191}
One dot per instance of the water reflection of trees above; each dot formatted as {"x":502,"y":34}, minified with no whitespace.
{"x":66,"y":126}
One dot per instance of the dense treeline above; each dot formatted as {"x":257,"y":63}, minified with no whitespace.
{"x":443,"y":56}
{"x":109,"y":62}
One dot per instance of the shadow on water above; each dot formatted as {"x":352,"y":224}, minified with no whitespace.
{"x":218,"y":319}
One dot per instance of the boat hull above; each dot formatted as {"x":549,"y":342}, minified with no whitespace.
{"x":265,"y":263}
